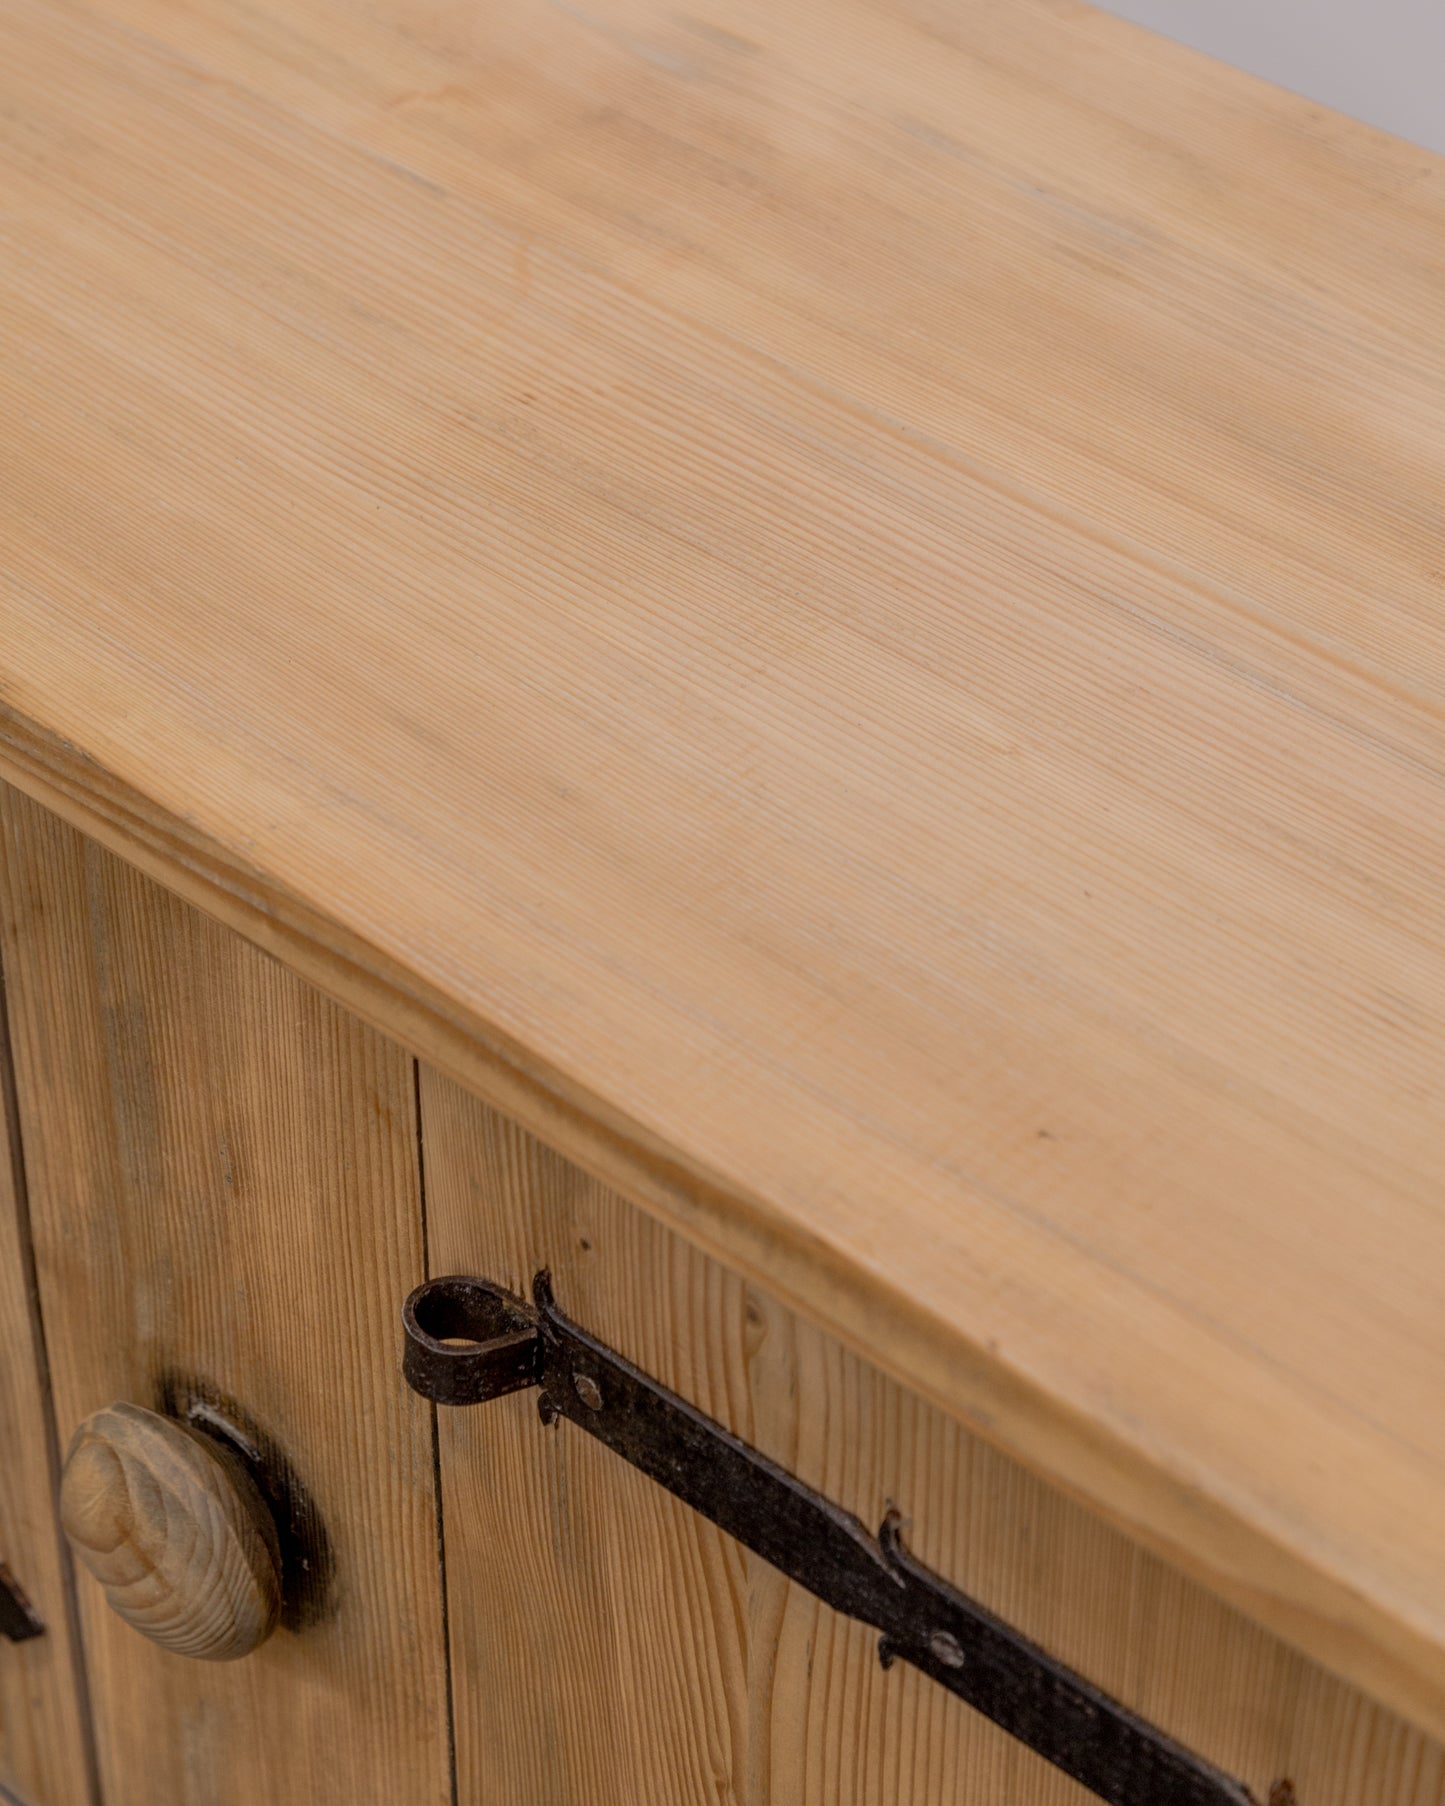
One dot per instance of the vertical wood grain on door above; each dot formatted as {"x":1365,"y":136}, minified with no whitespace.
{"x":43,"y":1756}
{"x":225,"y":1205}
{"x":608,"y":1644}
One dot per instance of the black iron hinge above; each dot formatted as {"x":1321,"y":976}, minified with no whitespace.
{"x":18,"y":1620}
{"x":469,"y":1341}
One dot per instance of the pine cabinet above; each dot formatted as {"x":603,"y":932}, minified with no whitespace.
{"x":722,"y":826}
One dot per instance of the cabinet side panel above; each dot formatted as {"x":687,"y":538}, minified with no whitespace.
{"x":608,"y":1644}
{"x":45,"y":1758}
{"x":226,"y":1209}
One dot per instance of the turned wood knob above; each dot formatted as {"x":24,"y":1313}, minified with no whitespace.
{"x":173,"y":1527}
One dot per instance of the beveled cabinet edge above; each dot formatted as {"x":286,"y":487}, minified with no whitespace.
{"x":1275,"y":1583}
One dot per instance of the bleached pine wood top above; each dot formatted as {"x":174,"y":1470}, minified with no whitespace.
{"x":844,"y":615}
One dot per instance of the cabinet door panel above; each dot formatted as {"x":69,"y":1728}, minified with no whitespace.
{"x":44,"y":1755}
{"x":609,"y":1644}
{"x":225,"y":1206}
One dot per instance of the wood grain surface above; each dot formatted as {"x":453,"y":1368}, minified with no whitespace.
{"x":679,"y":1667}
{"x":224,"y":1196}
{"x":846,"y":622}
{"x":45,"y":1754}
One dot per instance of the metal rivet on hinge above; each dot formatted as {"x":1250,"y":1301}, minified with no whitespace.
{"x":944,"y":1647}
{"x":588,"y":1391}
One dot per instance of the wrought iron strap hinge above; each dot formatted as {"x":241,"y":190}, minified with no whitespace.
{"x":469,"y":1341}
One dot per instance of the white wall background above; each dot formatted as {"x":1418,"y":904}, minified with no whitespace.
{"x":1382,"y":60}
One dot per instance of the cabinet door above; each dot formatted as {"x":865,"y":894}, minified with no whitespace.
{"x":608,"y":1644}
{"x":226,"y":1213}
{"x":44,"y":1739}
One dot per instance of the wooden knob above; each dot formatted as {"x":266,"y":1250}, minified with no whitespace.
{"x":173,"y":1527}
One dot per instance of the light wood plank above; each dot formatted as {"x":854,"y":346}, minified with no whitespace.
{"x":224,"y":1193}
{"x":607,"y":1643}
{"x":45,"y":1756}
{"x":852,"y":620}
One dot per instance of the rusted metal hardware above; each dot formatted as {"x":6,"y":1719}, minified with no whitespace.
{"x":469,"y":1341}
{"x":18,"y":1620}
